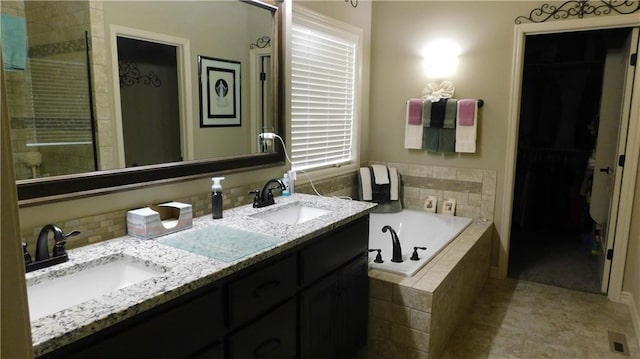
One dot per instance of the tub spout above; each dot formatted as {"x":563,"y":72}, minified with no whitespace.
{"x":397,"y":250}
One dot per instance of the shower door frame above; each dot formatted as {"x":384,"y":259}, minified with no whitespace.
{"x":625,"y":205}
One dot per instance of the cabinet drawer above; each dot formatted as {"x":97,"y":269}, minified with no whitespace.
{"x":261,"y":290}
{"x":333,"y":250}
{"x":272,"y":336}
{"x":197,"y":322}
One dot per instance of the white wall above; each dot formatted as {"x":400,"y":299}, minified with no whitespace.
{"x":485,"y":32}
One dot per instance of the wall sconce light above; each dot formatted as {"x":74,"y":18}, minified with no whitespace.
{"x":441,"y":59}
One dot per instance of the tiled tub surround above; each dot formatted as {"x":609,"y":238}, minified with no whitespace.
{"x":186,"y":271}
{"x":413,"y":317}
{"x":473,"y":189}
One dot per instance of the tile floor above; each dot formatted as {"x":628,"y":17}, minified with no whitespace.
{"x":519,"y":319}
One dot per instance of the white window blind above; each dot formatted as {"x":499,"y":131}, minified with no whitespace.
{"x":323,"y":85}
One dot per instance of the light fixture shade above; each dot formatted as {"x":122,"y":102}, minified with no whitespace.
{"x":441,"y":59}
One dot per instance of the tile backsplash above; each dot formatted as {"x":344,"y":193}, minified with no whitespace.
{"x":473,"y":189}
{"x":105,"y":226}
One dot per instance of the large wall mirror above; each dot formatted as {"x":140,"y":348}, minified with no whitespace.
{"x":121,"y":93}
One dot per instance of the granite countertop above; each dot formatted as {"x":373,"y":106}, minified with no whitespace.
{"x":183,"y":270}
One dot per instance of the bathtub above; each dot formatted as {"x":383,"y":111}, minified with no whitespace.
{"x":414,"y":229}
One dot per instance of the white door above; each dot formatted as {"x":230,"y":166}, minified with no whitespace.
{"x":611,"y":143}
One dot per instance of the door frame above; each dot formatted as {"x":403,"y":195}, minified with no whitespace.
{"x":256,"y":93}
{"x":184,"y":85}
{"x":632,"y":149}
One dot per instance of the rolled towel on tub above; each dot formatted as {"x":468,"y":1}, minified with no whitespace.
{"x":371,"y":191}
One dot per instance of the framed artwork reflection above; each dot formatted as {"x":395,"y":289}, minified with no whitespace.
{"x":219,"y":92}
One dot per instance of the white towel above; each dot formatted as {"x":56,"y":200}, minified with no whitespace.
{"x":380,"y":174}
{"x":365,"y":181}
{"x":393,"y":173}
{"x":466,"y":135}
{"x":412,"y":133}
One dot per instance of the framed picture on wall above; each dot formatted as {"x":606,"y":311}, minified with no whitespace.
{"x":430,"y":204}
{"x":449,"y":207}
{"x":219,"y":92}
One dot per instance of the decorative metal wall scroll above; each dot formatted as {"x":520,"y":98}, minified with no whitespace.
{"x":261,"y":43}
{"x":354,"y":3}
{"x":580,"y":8}
{"x":130,"y":75}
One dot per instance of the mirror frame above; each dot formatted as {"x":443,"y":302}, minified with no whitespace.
{"x":43,"y":190}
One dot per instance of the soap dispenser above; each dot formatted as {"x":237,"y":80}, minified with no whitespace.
{"x":216,"y":198}
{"x":285,"y":190}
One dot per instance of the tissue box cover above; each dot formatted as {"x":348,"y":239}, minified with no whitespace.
{"x":154,"y":221}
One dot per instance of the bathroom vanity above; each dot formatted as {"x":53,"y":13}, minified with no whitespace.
{"x":304,"y":295}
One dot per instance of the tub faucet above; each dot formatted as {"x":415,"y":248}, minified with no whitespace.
{"x":264,"y":197}
{"x":397,"y":250}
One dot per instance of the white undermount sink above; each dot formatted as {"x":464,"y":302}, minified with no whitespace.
{"x":292,"y":214}
{"x":70,"y":287}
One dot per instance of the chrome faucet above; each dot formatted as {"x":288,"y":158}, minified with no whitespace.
{"x":264,"y":197}
{"x":43,"y":258}
{"x":397,"y":249}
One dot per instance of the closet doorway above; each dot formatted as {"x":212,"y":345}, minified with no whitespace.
{"x":569,"y":135}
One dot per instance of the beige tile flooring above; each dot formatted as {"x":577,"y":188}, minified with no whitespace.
{"x":519,"y":319}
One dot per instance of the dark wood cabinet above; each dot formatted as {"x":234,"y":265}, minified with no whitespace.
{"x":353,"y":299}
{"x":318,"y":319}
{"x":333,"y":313}
{"x":154,"y":334}
{"x":273,"y":336}
{"x":254,"y":293}
{"x":310,"y":301}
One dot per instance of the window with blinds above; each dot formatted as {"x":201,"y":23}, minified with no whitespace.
{"x":323,"y":93}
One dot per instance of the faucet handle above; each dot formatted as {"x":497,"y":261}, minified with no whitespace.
{"x":414,"y":256}
{"x":378,"y":258}
{"x":256,"y":198}
{"x":71,"y":234}
{"x":59,"y":246}
{"x":27,"y":256}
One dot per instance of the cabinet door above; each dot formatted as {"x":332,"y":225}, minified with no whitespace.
{"x":318,"y":319}
{"x":272,"y":336}
{"x":353,"y":299}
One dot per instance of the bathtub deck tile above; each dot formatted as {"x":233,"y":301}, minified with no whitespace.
{"x":412,"y":298}
{"x":420,"y":320}
{"x":387,"y":348}
{"x":392,"y":278}
{"x":394,"y":313}
{"x":413,"y":353}
{"x":380,"y":289}
{"x":410,"y":337}
{"x":379,"y":327}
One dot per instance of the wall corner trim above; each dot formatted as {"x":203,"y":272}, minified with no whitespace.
{"x":627,"y":298}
